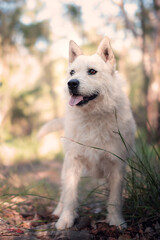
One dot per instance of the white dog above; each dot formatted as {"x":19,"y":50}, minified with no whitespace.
{"x":96,"y":110}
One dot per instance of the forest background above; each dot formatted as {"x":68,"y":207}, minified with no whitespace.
{"x":34,"y":39}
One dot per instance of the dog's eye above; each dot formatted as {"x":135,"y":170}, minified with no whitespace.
{"x":92,"y":71}
{"x":72,"y":72}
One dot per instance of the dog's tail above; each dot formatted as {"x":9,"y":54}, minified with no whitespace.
{"x":51,"y":126}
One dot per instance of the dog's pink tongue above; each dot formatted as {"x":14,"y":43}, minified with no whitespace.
{"x":74,"y":100}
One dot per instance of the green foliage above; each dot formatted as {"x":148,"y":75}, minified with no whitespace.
{"x":10,"y":12}
{"x":135,"y":76}
{"x":143,"y":181}
{"x":35,"y":31}
{"x":21,"y":103}
{"x":73,"y":11}
{"x":11,"y":27}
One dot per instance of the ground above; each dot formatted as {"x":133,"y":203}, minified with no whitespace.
{"x":29,"y":193}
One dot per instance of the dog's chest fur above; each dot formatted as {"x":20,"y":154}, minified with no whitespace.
{"x":98,"y":131}
{"x":90,"y":129}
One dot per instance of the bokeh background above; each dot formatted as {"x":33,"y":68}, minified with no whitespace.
{"x":34,"y":38}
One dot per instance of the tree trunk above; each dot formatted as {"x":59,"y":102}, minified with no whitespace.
{"x":153,"y":97}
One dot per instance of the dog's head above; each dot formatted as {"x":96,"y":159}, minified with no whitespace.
{"x":87,"y":75}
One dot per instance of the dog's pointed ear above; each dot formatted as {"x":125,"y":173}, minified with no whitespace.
{"x":74,"y":51}
{"x":105,"y":51}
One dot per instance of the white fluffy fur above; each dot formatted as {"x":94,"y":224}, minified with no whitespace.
{"x":95,"y":124}
{"x":51,"y":126}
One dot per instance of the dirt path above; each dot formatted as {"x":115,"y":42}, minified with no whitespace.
{"x":29,"y":192}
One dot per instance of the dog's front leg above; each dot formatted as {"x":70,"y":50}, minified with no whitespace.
{"x":116,"y":181}
{"x":59,"y":207}
{"x":68,"y":202}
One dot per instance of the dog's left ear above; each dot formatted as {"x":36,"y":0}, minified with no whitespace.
{"x":74,"y":51}
{"x":105,"y":51}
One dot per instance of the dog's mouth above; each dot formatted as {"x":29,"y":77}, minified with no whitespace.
{"x":79,"y":100}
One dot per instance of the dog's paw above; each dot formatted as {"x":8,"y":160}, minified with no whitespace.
{"x":57,"y":212}
{"x":116,"y":221}
{"x":66,"y":220}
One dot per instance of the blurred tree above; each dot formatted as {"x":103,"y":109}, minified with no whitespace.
{"x":15,"y":36}
{"x":73,"y":12}
{"x":153,"y":109}
{"x":13,"y":31}
{"x":147,"y":34}
{"x":34,"y":32}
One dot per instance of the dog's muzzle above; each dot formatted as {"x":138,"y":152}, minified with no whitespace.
{"x":76,"y":97}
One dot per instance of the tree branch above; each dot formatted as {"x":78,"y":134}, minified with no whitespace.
{"x":128,"y":23}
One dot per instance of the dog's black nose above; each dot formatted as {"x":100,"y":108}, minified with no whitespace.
{"x":73,"y":84}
